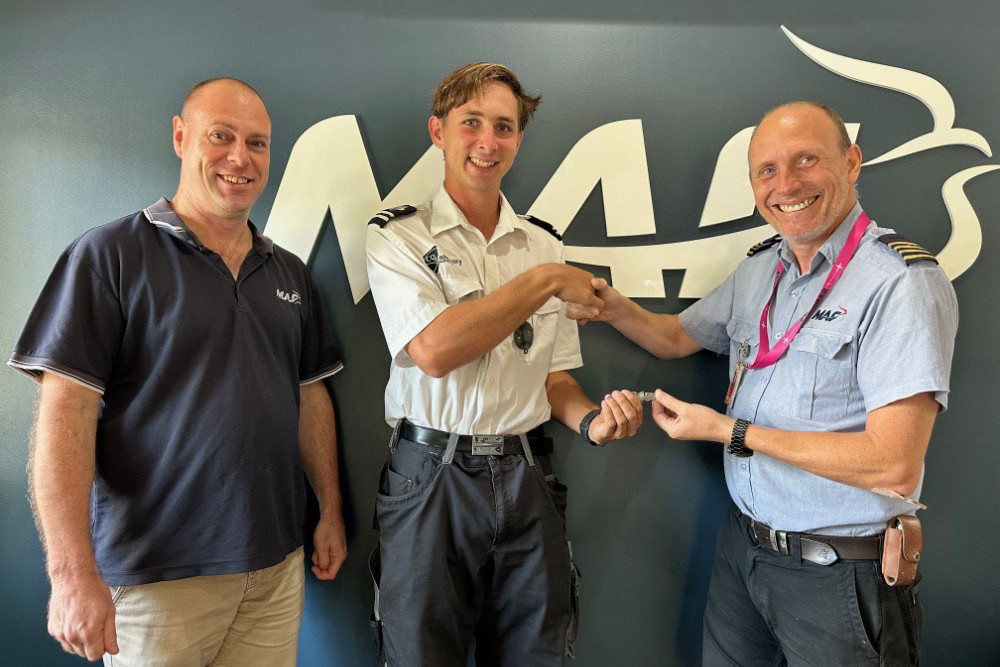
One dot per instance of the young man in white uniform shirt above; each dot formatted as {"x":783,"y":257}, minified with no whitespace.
{"x":470,"y":296}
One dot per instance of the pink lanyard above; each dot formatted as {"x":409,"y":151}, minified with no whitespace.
{"x":767,"y":355}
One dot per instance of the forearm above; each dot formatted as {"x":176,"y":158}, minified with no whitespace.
{"x":660,"y":334}
{"x":888,"y":454}
{"x":318,"y":445}
{"x":568,"y":402}
{"x":855,"y":459}
{"x":466,"y":331}
{"x":61,"y":475}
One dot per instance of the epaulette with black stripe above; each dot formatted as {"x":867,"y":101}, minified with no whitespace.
{"x":908,"y":250}
{"x":544,"y":225}
{"x":764,"y":245}
{"x":382,"y":218}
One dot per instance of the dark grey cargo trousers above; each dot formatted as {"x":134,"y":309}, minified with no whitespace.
{"x":769,"y":609}
{"x":472,"y":548}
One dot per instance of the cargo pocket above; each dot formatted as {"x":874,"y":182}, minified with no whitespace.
{"x":375,"y":620}
{"x":573,"y":629}
{"x":408,"y":472}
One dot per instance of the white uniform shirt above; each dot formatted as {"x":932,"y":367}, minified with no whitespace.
{"x":420,"y":264}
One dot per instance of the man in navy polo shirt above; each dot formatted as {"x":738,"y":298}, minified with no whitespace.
{"x":180,"y":355}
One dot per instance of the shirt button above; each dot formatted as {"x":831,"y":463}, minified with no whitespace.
{"x":795,"y":293}
{"x":743,"y":466}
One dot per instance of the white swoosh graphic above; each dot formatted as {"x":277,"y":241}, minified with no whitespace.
{"x":966,"y":239}
{"x":932,"y":94}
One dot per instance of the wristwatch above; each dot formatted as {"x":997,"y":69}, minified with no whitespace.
{"x":737,"y":442}
{"x":585,"y":427}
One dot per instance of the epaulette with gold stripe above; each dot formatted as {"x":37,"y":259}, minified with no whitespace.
{"x":382,"y":218}
{"x":910,"y":251}
{"x":764,"y":245}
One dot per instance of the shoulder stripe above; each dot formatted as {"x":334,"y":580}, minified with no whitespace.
{"x":382,"y":218}
{"x":910,"y":252}
{"x":764,"y":245}
{"x":544,"y":225}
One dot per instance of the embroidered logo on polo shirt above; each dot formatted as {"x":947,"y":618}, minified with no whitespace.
{"x":290,"y":297}
{"x":829,"y":315}
{"x":433,"y":259}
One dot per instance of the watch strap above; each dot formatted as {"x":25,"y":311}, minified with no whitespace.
{"x":737,"y":442}
{"x":585,"y":427}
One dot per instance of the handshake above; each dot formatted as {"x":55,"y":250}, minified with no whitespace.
{"x":592,"y":299}
{"x":587,"y":298}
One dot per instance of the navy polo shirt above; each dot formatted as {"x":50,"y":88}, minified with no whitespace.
{"x":198,"y":469}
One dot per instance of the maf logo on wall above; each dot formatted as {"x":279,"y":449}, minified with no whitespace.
{"x":329,"y":171}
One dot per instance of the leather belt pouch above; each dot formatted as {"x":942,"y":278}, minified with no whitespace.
{"x":901,"y":549}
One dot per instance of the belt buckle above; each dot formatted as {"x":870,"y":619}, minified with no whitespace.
{"x":487,"y":445}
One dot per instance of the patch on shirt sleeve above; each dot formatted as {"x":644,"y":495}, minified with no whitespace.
{"x":544,"y":225}
{"x":382,"y":218}
{"x":764,"y":245}
{"x":910,"y":251}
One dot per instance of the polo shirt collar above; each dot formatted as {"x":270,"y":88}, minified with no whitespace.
{"x":161,"y":215}
{"x":448,"y":215}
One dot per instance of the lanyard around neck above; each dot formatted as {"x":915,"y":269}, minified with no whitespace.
{"x":767,"y":355}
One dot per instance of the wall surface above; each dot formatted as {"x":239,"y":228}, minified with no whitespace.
{"x":87,"y":91}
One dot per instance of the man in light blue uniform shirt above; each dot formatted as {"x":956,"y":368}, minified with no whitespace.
{"x":827,"y":425}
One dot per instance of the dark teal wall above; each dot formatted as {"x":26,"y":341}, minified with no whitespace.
{"x":86,"y":95}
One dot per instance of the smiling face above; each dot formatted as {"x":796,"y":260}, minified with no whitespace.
{"x":479,"y":139}
{"x":223,"y":140}
{"x":802,"y":178}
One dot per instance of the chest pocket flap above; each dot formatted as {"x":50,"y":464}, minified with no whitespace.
{"x":821,"y":368}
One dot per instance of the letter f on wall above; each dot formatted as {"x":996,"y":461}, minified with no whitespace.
{"x":328,"y":169}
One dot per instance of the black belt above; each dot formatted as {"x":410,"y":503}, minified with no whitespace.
{"x":821,"y":549}
{"x":490,"y":445}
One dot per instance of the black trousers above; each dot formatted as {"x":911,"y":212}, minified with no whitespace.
{"x":473,"y":548}
{"x":769,"y":608}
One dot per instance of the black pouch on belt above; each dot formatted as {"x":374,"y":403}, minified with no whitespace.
{"x":901,"y":548}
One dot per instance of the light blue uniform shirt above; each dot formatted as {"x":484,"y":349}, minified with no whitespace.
{"x":885,"y":332}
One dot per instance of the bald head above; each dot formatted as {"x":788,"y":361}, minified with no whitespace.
{"x":836,"y":122}
{"x":201,"y":87}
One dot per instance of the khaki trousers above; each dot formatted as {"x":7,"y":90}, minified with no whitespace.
{"x":238,"y":620}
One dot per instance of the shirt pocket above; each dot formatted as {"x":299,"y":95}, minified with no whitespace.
{"x":820,"y":365}
{"x":544,"y":323}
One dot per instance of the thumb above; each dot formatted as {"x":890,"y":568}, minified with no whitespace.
{"x":667,"y":401}
{"x":110,"y":633}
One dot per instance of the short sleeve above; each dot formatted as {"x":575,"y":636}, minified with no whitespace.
{"x":908,"y":338}
{"x":320,"y":356}
{"x":705,"y":320}
{"x":75,"y":328}
{"x":407,"y":295}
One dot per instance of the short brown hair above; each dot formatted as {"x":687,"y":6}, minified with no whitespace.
{"x":201,"y":84}
{"x":843,"y":139}
{"x":468,"y":80}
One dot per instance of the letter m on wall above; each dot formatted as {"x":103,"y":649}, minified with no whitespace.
{"x":328,"y":170}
